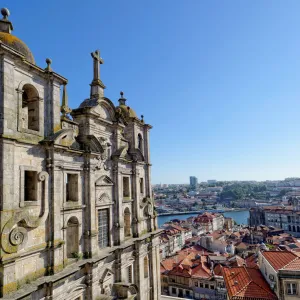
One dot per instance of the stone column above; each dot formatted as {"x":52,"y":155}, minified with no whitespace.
{"x":52,"y":106}
{"x":118,"y":207}
{"x":118,"y":265}
{"x":90,"y":227}
{"x":136,"y":211}
{"x":56,"y":201}
{"x":154,"y":264}
{"x":139,"y":271}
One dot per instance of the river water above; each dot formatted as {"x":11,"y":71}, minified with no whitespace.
{"x":241,"y":217}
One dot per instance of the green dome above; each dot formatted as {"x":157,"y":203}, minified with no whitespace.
{"x":128,"y":111}
{"x":16,"y":44}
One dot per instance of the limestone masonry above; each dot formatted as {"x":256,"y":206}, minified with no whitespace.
{"x":77,"y":216}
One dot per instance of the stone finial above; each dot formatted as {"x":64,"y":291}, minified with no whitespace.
{"x":65,"y":109}
{"x":122,"y":100}
{"x":48,"y":62}
{"x":97,"y":85}
{"x":5,"y":13}
{"x":5,"y":24}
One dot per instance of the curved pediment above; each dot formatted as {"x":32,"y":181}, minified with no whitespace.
{"x":64,"y":137}
{"x":90,"y":143}
{"x":104,"y":109}
{"x":122,"y":152}
{"x":137,"y":155}
{"x":104,"y":180}
{"x":108,"y":274}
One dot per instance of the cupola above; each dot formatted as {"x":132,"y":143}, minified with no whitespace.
{"x":10,"y":40}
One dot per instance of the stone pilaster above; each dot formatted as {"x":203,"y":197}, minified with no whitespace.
{"x":136,"y":213}
{"x":90,"y":226}
{"x":57,"y":254}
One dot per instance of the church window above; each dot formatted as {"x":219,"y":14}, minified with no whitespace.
{"x":72,"y":187}
{"x":30,"y":186}
{"x":142,"y":185}
{"x":127,"y":222}
{"x":140,"y":142}
{"x":146,"y":267}
{"x":30,"y":108}
{"x":103,"y":227}
{"x":72,"y":237}
{"x":126,"y":187}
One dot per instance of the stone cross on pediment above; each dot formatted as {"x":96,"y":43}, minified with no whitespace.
{"x":97,"y":61}
{"x":97,"y":85}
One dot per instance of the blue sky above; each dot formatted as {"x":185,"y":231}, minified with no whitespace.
{"x":218,"y":80}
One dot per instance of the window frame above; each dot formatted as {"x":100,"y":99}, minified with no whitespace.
{"x":23,"y":202}
{"x":289,"y":285}
{"x":103,"y":245}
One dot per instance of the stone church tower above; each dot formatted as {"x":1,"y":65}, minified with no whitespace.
{"x":77,"y":216}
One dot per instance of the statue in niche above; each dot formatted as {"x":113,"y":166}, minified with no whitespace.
{"x":104,"y":158}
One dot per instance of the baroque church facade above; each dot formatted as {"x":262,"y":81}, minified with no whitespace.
{"x":77,"y":214}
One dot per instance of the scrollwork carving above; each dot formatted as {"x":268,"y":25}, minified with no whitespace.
{"x":18,"y":236}
{"x":13,"y":237}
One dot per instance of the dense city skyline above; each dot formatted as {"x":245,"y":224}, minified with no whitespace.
{"x":219,"y":81}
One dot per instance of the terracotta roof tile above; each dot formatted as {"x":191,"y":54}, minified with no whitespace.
{"x":246,"y":283}
{"x":251,"y":261}
{"x":279,"y":259}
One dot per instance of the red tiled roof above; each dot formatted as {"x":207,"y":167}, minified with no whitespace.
{"x":218,"y":270}
{"x":187,"y":263}
{"x":236,"y":261}
{"x":246,"y":283}
{"x":251,"y":261}
{"x":279,"y":259}
{"x":294,"y":265}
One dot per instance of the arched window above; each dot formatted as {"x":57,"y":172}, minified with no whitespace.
{"x":140,"y":142}
{"x":294,"y":228}
{"x":30,"y":108}
{"x":72,"y":237}
{"x":127,"y":222}
{"x":146,"y":267}
{"x":290,"y":228}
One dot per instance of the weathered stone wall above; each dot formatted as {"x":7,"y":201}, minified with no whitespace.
{"x":55,"y":176}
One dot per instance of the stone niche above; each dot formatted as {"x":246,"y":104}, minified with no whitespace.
{"x":104,"y":191}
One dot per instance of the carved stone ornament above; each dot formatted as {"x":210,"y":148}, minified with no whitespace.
{"x":18,"y":236}
{"x":150,"y":209}
{"x":14,"y":235}
{"x":103,"y":159}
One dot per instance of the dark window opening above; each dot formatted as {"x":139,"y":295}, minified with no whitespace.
{"x":140,"y":142}
{"x":142,"y":185}
{"x":126,"y":189}
{"x":72,"y":187}
{"x":30,"y":186}
{"x":30,"y":108}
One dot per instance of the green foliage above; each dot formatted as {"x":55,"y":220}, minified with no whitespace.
{"x":283,"y":192}
{"x":239,"y":191}
{"x":77,"y":255}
